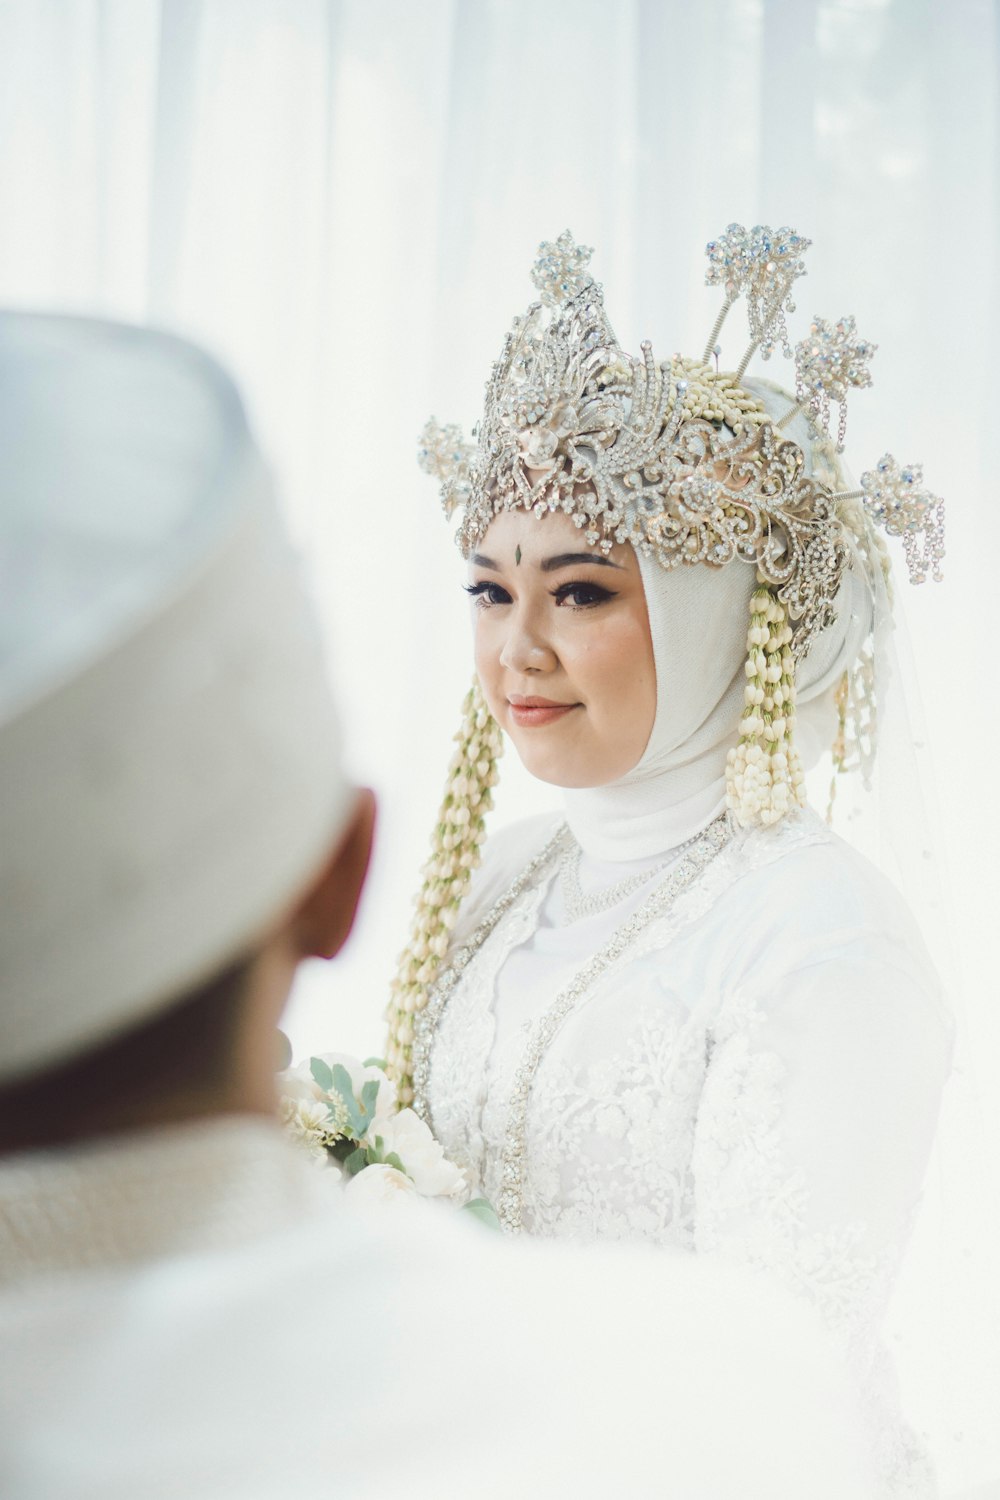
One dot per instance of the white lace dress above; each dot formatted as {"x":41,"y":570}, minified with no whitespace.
{"x":756,"y":1076}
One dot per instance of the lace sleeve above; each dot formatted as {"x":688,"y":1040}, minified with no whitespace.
{"x":815,"y":1125}
{"x":812,"y":1138}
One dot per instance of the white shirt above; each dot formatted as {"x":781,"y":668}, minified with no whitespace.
{"x":199,"y":1312}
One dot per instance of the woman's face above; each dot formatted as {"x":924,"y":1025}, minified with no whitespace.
{"x":563,"y":648}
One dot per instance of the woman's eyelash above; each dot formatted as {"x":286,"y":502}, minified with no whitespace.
{"x":587,"y":594}
{"x":580,"y":595}
{"x":485,"y":592}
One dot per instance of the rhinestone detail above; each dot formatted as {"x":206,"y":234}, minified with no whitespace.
{"x":577,"y":905}
{"x":426,"y":1022}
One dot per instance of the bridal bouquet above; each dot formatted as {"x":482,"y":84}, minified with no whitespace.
{"x":344,"y":1113}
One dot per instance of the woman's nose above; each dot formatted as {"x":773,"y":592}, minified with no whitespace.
{"x":526,"y":649}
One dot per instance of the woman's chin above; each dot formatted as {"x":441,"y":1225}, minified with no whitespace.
{"x":570,"y":773}
{"x":564,"y":753}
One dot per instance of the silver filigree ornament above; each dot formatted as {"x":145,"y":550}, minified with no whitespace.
{"x":896,"y":499}
{"x":676,"y":459}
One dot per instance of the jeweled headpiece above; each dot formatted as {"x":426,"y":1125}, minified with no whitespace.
{"x":677,"y":458}
{"x":683,"y":462}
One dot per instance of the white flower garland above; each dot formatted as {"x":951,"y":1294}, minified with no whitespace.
{"x":455,"y":853}
{"x":764,"y":777}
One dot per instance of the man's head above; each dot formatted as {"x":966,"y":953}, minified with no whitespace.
{"x":176,"y":830}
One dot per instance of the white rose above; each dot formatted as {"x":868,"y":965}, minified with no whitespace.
{"x":380,"y":1184}
{"x":433,"y":1174}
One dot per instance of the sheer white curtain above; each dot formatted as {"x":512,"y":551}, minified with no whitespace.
{"x":343,"y":198}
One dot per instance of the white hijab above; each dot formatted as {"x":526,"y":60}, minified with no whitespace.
{"x":698,"y":619}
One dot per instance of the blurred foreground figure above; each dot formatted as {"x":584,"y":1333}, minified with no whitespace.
{"x":187,"y":1307}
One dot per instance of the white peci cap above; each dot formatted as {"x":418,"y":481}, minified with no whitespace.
{"x":170,"y":774}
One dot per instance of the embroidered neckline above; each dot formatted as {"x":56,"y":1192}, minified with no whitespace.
{"x":577,"y":905}
{"x":702,"y":851}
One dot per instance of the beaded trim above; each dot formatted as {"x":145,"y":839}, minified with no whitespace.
{"x":681,"y":877}
{"x":577,"y":904}
{"x":426,"y":1023}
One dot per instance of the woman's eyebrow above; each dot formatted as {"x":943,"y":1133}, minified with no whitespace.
{"x":551,"y":564}
{"x":574,"y":559}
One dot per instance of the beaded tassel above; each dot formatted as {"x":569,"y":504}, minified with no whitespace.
{"x":855,"y":744}
{"x":763,"y":774}
{"x":455,"y":853}
{"x":838,"y":750}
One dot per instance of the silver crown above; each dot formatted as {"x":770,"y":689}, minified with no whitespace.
{"x":677,"y":458}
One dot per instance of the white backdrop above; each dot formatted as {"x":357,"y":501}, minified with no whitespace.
{"x":343,"y":201}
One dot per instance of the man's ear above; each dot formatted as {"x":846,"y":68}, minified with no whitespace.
{"x":326,"y":915}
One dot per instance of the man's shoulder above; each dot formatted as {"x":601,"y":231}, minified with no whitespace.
{"x":412,"y":1350}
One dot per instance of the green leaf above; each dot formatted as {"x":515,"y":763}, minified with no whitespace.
{"x":374,"y":1149}
{"x":357,"y":1160}
{"x":392,"y":1160}
{"x":483,"y":1210}
{"x":340,"y":1079}
{"x":321,"y":1073}
{"x":369,"y":1094}
{"x":375,"y":1062}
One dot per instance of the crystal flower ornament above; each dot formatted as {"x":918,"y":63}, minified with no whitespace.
{"x":447,"y":457}
{"x":761,"y":264}
{"x":896,"y":499}
{"x":560,"y":270}
{"x":828,"y":363}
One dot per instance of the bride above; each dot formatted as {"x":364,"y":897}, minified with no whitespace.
{"x":682,"y":1010}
